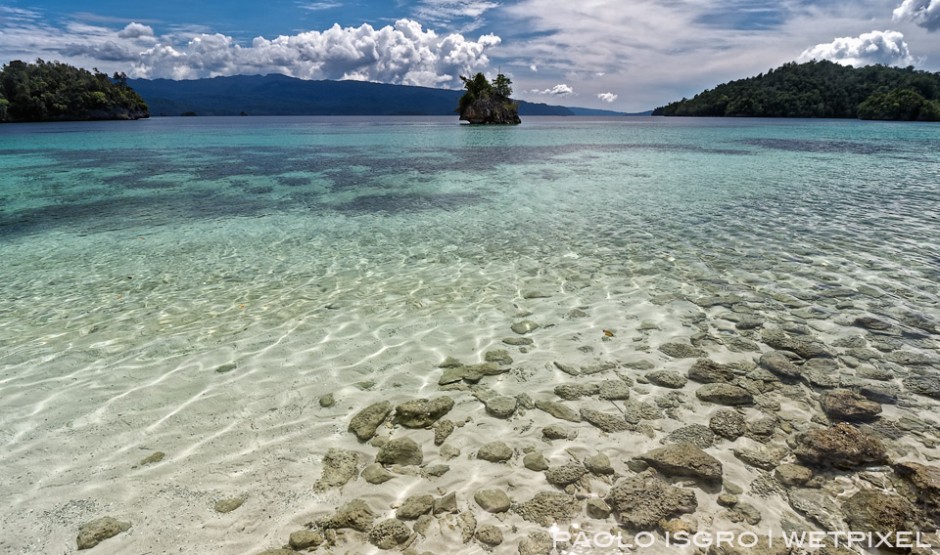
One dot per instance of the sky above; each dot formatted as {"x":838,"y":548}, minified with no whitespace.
{"x":627,"y":55}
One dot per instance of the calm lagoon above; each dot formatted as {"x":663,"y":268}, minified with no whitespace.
{"x":195,"y":286}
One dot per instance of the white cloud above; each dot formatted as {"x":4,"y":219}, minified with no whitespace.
{"x":925,"y":13}
{"x":607,"y":97}
{"x":561,"y":89}
{"x":136,"y":31}
{"x":319,"y":6}
{"x":403,"y":53}
{"x":446,"y":10}
{"x":876,"y":47}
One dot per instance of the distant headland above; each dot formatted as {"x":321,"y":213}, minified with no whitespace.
{"x":821,"y":90}
{"x":53,"y":91}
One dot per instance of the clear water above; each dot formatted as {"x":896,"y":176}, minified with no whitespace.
{"x":319,"y":253}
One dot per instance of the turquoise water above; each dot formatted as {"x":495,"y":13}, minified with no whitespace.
{"x":320,"y":253}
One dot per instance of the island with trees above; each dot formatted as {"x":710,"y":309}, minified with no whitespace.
{"x":821,"y":89}
{"x":488,"y":103}
{"x":53,"y":91}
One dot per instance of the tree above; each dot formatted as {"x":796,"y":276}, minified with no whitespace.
{"x":502,"y":86}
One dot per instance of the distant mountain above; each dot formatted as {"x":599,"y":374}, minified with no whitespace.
{"x":821,"y":90}
{"x":279,"y":95}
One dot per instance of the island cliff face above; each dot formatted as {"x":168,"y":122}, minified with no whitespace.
{"x":488,"y":103}
{"x":494,"y":110}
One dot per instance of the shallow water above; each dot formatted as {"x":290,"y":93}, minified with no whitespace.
{"x":320,"y":253}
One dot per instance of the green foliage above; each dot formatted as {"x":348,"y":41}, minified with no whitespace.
{"x":899,"y":104}
{"x":820,"y":90}
{"x":57,"y":91}
{"x":479,"y":88}
{"x":502,"y":85}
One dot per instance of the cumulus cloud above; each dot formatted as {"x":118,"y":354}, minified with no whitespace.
{"x":108,"y":51}
{"x":136,"y":31}
{"x":561,"y":89}
{"x":876,"y":47}
{"x":403,"y":53}
{"x":607,"y":97}
{"x":925,"y":13}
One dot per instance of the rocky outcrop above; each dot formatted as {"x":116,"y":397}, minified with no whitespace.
{"x":842,"y":446}
{"x":493,"y":110}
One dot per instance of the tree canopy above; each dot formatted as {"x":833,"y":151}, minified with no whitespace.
{"x":485,"y":102}
{"x":49,"y":91}
{"x":821,"y":89}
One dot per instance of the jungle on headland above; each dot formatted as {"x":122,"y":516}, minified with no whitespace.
{"x":53,"y":91}
{"x":821,"y":89}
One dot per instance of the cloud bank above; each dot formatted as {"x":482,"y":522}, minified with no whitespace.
{"x":876,"y":47}
{"x":404,"y":53}
{"x":925,"y":13}
{"x":607,"y":97}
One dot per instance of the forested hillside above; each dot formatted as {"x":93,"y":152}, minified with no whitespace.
{"x":821,"y":90}
{"x":53,"y":91}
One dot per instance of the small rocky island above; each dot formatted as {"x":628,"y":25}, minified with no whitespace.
{"x":53,"y":91}
{"x":488,"y":103}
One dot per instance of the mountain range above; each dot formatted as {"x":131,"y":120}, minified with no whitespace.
{"x":270,"y":95}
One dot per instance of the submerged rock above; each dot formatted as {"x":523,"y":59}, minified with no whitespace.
{"x":501,"y":406}
{"x":422,"y":413}
{"x":558,"y":410}
{"x":842,"y":404}
{"x":573,"y":392}
{"x":390,"y":534}
{"x":524,"y":327}
{"x":929,"y":386}
{"x":606,"y":421}
{"x":228,"y":505}
{"x":496,"y":451}
{"x":882,"y":513}
{"x":724,"y":394}
{"x":667,"y":379}
{"x":549,"y":507}
{"x":781,"y":366}
{"x":780,"y":341}
{"x":684,"y":459}
{"x":728,"y":423}
{"x":305,"y":539}
{"x":489,"y":535}
{"x":339,"y":467}
{"x":926,"y":483}
{"x":681,"y":350}
{"x":696,"y":434}
{"x":355,"y":514}
{"x":92,"y":533}
{"x":816,"y":505}
{"x":707,"y":371}
{"x":492,"y":500}
{"x":402,"y":451}
{"x":842,"y":446}
{"x":538,"y":542}
{"x":415,"y":506}
{"x":366,"y":422}
{"x":642,"y":501}
{"x":565,"y":474}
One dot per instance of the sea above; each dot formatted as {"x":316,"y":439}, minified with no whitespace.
{"x":198,"y":286}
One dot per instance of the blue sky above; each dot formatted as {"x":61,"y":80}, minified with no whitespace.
{"x":624,"y":55}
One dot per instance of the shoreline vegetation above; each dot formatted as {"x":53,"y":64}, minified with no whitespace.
{"x":53,"y":91}
{"x":820,"y":89}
